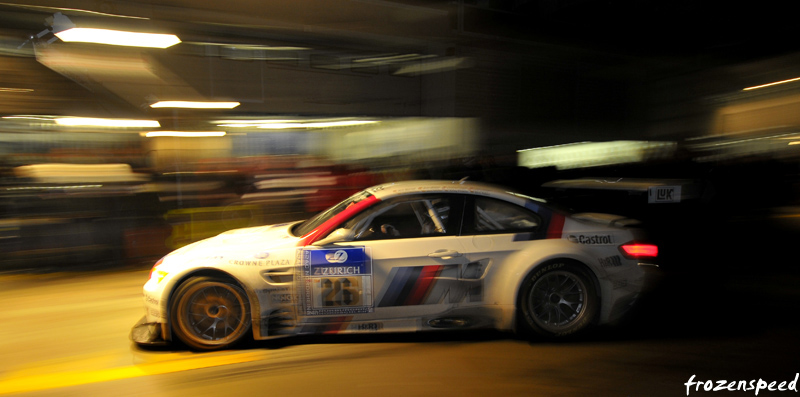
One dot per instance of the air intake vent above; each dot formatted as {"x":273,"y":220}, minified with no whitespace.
{"x":280,"y":275}
{"x":279,"y":322}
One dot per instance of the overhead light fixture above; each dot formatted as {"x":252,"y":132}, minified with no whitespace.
{"x":9,"y":89}
{"x":184,"y":134}
{"x":250,"y":47}
{"x":277,"y":124}
{"x":382,"y":60}
{"x":118,"y":37}
{"x":320,"y":124}
{"x":96,"y":122}
{"x":248,"y":123}
{"x":435,"y":66}
{"x":771,"y":84}
{"x":194,"y":105}
{"x":28,"y":117}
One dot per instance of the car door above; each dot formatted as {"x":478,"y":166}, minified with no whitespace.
{"x":413,"y":252}
{"x":494,"y":229}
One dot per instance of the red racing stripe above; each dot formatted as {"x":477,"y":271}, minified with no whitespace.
{"x":337,"y":324}
{"x":335,"y":221}
{"x":556,"y":227}
{"x":425,"y":282}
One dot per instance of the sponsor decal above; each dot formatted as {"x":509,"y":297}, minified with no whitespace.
{"x":368,"y":327}
{"x":149,"y":299}
{"x":612,"y":261}
{"x":272,"y":262}
{"x":337,"y":281}
{"x":543,"y":269}
{"x":326,"y":325}
{"x":429,"y":285}
{"x":279,"y":295}
{"x":273,"y":290}
{"x":664,"y":194}
{"x":281,"y":298}
{"x":338,"y":256}
{"x":348,"y":261}
{"x":261,"y":255}
{"x":594,"y":239}
{"x":336,"y":270}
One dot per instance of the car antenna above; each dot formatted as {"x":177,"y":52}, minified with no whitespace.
{"x":464,"y":179}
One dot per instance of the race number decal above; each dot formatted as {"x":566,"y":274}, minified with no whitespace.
{"x":337,"y":281}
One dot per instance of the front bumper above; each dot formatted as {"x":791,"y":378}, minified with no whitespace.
{"x":147,"y":334}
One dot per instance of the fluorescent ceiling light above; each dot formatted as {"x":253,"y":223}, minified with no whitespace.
{"x":194,"y":105}
{"x":278,"y":124}
{"x":8,"y":89}
{"x":440,"y":65}
{"x":263,"y":47}
{"x":395,"y":58}
{"x":118,"y":37}
{"x":771,"y":84}
{"x":248,"y":123}
{"x":93,"y":122}
{"x":249,"y":46}
{"x":185,"y":134}
{"x":323,"y":124}
{"x":38,"y":118}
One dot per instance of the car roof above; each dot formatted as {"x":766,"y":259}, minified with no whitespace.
{"x":393,"y":189}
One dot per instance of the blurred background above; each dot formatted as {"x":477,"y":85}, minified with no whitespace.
{"x":113,"y":153}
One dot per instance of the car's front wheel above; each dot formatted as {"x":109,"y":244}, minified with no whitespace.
{"x":558,"y":299}
{"x":209,"y":313}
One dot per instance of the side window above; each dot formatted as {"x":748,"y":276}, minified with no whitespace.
{"x":412,"y":217}
{"x":496,"y":216}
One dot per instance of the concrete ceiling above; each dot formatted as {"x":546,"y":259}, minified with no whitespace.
{"x":119,"y":82}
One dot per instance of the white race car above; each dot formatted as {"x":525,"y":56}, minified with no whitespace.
{"x":398,"y":257}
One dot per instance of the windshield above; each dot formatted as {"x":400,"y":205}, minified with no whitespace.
{"x":303,"y":228}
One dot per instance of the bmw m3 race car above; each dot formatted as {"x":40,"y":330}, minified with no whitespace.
{"x":398,"y":257}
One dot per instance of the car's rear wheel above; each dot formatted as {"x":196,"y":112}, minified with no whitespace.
{"x":558,"y":299}
{"x":210,"y":313}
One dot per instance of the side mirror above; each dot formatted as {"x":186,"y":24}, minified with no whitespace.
{"x":336,"y":236}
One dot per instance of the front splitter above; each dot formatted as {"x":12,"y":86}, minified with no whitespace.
{"x":147,"y":334}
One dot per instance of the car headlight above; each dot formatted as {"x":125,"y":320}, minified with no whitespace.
{"x":157,"y":274}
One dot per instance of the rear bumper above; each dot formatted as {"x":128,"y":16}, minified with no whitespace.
{"x":653,"y":277}
{"x":147,"y":334}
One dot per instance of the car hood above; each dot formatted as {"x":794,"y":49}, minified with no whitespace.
{"x":253,"y":242}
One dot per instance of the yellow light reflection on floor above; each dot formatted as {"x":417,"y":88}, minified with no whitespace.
{"x":25,"y":382}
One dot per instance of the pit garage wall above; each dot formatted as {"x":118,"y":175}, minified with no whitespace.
{"x":171,"y":154}
{"x":713,"y":103}
{"x":391,"y":143}
{"x":757,"y":114}
{"x":403,"y":142}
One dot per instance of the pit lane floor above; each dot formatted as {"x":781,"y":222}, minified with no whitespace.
{"x":66,"y":333}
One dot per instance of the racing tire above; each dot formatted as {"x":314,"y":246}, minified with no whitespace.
{"x":558,"y":299}
{"x":209,"y":313}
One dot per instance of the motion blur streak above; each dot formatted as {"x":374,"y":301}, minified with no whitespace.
{"x":21,"y":382}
